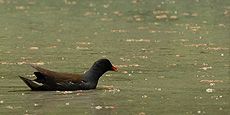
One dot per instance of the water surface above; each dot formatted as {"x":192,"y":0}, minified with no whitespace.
{"x":173,"y":56}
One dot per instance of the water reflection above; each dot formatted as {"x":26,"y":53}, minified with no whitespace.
{"x":79,"y":102}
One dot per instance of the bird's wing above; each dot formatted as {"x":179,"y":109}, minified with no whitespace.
{"x":72,"y":86}
{"x":56,"y":76}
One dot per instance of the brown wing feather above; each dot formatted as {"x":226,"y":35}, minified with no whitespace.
{"x":58,"y":76}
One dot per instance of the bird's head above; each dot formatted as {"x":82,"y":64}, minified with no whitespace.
{"x":104,"y":65}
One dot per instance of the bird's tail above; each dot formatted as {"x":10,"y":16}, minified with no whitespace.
{"x":32,"y":84}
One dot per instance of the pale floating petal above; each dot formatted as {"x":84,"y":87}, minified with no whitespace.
{"x":109,"y":107}
{"x":142,"y":113}
{"x":98,"y":107}
{"x":119,"y":31}
{"x":38,"y":63}
{"x":34,"y":48}
{"x":138,"y":40}
{"x":144,"y":96}
{"x":9,"y":107}
{"x":35,"y":104}
{"x":1,"y":101}
{"x":209,"y":90}
{"x":206,"y":68}
{"x":211,"y":81}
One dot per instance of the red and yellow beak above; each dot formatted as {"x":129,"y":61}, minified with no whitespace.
{"x":114,"y":68}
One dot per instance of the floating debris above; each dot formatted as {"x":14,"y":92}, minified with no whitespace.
{"x":98,"y":107}
{"x":125,"y":72}
{"x":120,"y":66}
{"x":114,"y":90}
{"x":68,"y":2}
{"x":209,"y":90}
{"x":8,"y":52}
{"x":9,"y":107}
{"x":20,"y":63}
{"x":160,"y":12}
{"x":144,"y":96}
{"x":119,"y":31}
{"x":130,"y":65}
{"x":161,"y":77}
{"x":198,"y":97}
{"x":106,"y":19}
{"x":177,"y":55}
{"x":117,"y":13}
{"x":158,"y":89}
{"x":190,"y":14}
{"x":82,"y":48}
{"x":173,"y":17}
{"x":84,"y":43}
{"x":162,"y":16}
{"x":194,"y":28}
{"x":194,"y":14}
{"x":220,"y":108}
{"x":20,"y":7}
{"x":35,"y":104}
{"x":19,"y":37}
{"x":141,"y":57}
{"x":169,"y":31}
{"x":106,"y":107}
{"x":196,"y":45}
{"x":65,"y":92}
{"x":34,"y":48}
{"x":138,"y":18}
{"x":136,"y":1}
{"x":134,"y":65}
{"x":212,"y":84}
{"x":108,"y":87}
{"x":108,"y":75}
{"x":211,"y":81}
{"x":206,"y":68}
{"x":142,"y":28}
{"x":221,"y":25}
{"x":67,"y":103}
{"x":1,"y":101}
{"x":137,"y":40}
{"x":88,"y":13}
{"x":140,"y":72}
{"x":153,"y":31}
{"x":38,"y":63}
{"x":109,"y":107}
{"x":216,"y":97}
{"x":58,"y":40}
{"x":124,"y":59}
{"x":51,"y":47}
{"x":80,"y":93}
{"x":141,"y":113}
{"x":216,"y":48}
{"x":106,"y":5}
{"x":6,"y":63}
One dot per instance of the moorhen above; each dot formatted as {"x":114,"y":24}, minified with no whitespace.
{"x":51,"y":81}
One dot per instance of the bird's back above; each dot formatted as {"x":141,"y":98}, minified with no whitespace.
{"x":57,"y":76}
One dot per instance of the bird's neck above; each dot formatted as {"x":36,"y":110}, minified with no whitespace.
{"x":93,"y":75}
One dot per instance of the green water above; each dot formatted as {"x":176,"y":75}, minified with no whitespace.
{"x":173,"y":55}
